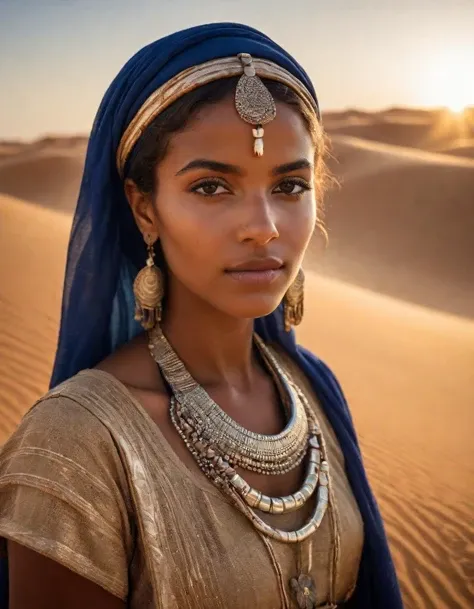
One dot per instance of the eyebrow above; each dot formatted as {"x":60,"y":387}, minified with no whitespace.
{"x":233,"y":169}
{"x":212,"y":166}
{"x":293,"y":166}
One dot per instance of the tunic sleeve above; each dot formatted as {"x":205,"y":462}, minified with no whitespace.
{"x":63,"y":493}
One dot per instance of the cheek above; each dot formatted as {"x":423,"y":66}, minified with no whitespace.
{"x":188,"y":237}
{"x":299,"y":224}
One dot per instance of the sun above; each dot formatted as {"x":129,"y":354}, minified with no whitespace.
{"x":457,"y":98}
{"x":446,"y":81}
{"x":457,"y":107}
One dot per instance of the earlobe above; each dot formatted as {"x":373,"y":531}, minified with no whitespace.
{"x":142,"y":208}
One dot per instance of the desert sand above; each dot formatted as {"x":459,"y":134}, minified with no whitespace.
{"x":389,"y":306}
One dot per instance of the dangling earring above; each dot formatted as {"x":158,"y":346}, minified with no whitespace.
{"x":148,"y":288}
{"x":293,"y":302}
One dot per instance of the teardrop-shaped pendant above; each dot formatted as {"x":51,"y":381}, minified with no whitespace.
{"x":253,"y":101}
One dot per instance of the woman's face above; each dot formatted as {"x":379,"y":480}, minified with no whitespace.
{"x":234,"y":227}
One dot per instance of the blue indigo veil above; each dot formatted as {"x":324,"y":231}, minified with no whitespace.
{"x":98,"y":304}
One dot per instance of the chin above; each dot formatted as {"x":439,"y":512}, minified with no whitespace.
{"x":252,"y":308}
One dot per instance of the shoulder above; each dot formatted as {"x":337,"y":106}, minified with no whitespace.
{"x":62,"y":436}
{"x":64,"y":443}
{"x":133,"y":366}
{"x":60,"y":412}
{"x":64,"y":489}
{"x":68,"y":411}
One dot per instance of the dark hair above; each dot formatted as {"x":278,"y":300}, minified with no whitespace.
{"x":152,"y":146}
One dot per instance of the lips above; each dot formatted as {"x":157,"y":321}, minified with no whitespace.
{"x":257,"y":271}
{"x":257,"y":264}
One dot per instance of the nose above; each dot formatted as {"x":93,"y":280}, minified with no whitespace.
{"x":259,"y":222}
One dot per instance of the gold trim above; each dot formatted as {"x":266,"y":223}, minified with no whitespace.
{"x":192,"y":78}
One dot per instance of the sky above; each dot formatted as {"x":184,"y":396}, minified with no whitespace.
{"x":57,"y":57}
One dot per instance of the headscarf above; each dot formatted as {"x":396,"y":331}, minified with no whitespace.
{"x":98,"y":303}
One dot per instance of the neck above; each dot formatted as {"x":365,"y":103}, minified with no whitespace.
{"x":214,"y":347}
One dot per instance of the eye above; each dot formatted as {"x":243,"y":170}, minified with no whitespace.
{"x":210,"y":188}
{"x":292,"y":186}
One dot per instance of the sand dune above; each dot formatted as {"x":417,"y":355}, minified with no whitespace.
{"x":10,"y":149}
{"x":425,"y":129}
{"x":416,"y":134}
{"x":408,"y":374}
{"x":33,"y":244}
{"x":462,"y":148}
{"x":61,"y":143}
{"x":49,"y":175}
{"x":402,"y":224}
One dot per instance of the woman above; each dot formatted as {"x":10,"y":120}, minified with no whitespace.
{"x":197,"y":464}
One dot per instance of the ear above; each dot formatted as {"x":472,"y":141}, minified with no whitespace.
{"x":143,"y":210}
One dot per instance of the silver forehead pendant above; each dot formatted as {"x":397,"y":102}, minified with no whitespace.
{"x":254,"y":102}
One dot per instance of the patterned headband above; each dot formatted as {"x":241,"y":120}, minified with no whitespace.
{"x":253,"y":100}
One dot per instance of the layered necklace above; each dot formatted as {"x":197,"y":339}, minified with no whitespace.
{"x":219,"y":445}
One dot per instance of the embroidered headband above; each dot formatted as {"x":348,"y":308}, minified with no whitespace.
{"x":253,"y":100}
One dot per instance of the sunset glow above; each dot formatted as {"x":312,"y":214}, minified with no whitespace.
{"x":447,"y":82}
{"x":457,"y":107}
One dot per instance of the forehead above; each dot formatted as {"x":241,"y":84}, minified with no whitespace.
{"x":217,"y":132}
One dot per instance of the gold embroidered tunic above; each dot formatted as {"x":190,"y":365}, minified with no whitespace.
{"x":89,"y":480}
